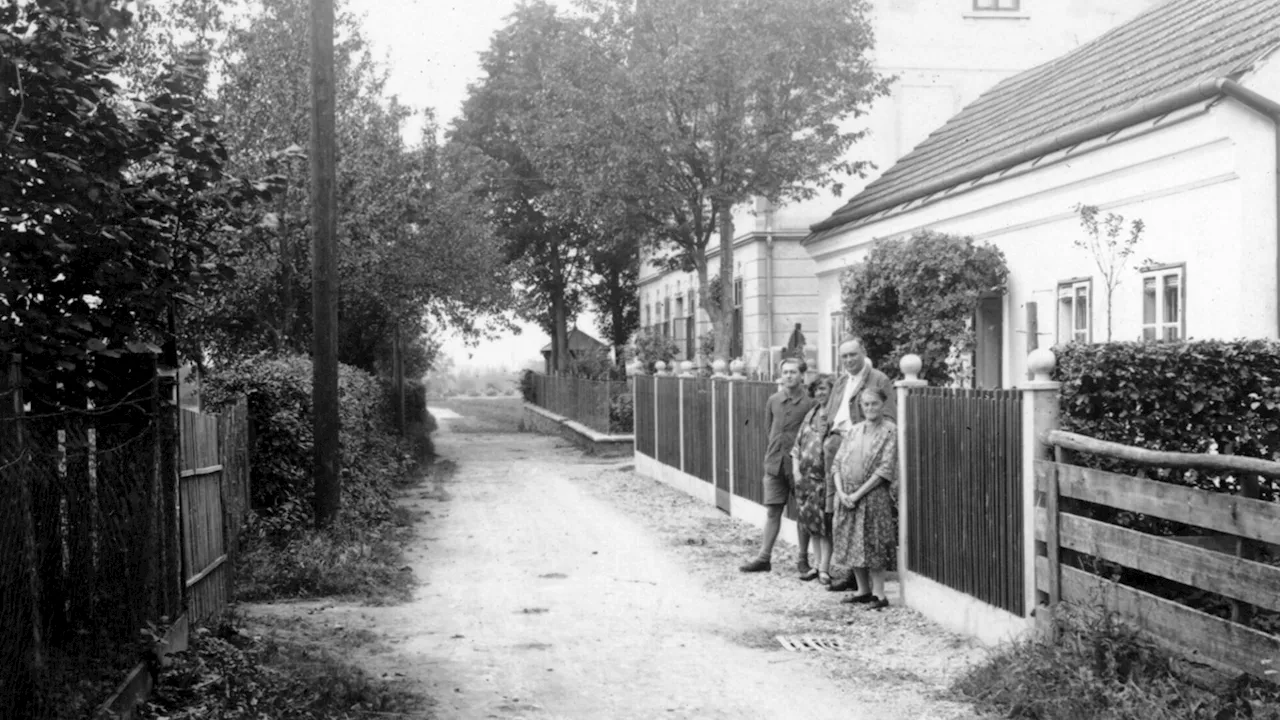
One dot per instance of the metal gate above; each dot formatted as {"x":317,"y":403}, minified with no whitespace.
{"x":964,"y":492}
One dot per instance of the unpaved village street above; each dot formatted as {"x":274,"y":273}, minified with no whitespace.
{"x":559,"y":586}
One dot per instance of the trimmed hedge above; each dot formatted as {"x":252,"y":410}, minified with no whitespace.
{"x":1185,"y":397}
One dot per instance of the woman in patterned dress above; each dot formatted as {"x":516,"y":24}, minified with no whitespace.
{"x":865,"y":473}
{"x":809,"y":472}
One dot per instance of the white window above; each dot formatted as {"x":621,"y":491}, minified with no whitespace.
{"x":1075,"y":316}
{"x":1163,"y":297}
{"x":997,"y":5}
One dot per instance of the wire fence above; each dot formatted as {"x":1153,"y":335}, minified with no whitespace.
{"x":91,"y":522}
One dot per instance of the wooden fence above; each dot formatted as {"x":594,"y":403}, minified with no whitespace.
{"x":1217,"y":641}
{"x":94,"y":527}
{"x":214,"y":497}
{"x":963,"y":505}
{"x":589,"y":402}
{"x":711,"y":429}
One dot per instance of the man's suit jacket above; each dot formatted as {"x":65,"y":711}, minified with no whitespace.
{"x":875,"y":379}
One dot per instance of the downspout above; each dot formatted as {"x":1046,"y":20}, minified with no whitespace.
{"x":768,"y":284}
{"x":1271,"y":109}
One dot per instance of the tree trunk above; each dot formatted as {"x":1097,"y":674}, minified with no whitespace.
{"x":724,"y":323}
{"x":286,"y":275}
{"x":560,"y":338}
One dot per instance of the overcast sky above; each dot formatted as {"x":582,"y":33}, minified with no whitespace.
{"x":431,"y":48}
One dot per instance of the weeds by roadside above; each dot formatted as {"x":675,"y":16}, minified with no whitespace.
{"x":229,"y":674}
{"x":1104,"y":670}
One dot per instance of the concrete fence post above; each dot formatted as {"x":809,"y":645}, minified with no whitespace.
{"x":1039,"y":416}
{"x":910,"y":366}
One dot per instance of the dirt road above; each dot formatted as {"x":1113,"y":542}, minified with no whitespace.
{"x":543,"y":597}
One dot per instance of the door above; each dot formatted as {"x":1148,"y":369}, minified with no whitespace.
{"x":988,"y":329}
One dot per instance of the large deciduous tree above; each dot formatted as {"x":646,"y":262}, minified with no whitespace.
{"x":413,"y":244}
{"x":679,"y":111}
{"x":111,"y":207}
{"x":547,"y":247}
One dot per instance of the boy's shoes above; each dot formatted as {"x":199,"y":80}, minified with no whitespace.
{"x":757,"y":565}
{"x":807,"y":575}
{"x":858,"y":599}
{"x":849,"y":583}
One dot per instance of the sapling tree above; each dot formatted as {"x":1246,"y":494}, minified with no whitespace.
{"x":1110,"y":241}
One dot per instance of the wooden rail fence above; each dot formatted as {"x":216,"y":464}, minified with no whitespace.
{"x":1216,"y":641}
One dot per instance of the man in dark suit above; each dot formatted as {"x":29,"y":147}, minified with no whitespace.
{"x":845,"y":412}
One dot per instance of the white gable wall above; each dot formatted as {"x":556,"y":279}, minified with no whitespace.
{"x":1204,"y":186}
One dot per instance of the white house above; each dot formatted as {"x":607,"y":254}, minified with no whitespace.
{"x":943,"y":54}
{"x":1170,"y":118}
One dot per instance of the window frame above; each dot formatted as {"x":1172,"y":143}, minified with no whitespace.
{"x":995,"y":6}
{"x":837,"y":338}
{"x":1158,"y":328}
{"x":1071,"y":285}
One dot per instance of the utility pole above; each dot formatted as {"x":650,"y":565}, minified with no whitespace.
{"x":324,"y":265}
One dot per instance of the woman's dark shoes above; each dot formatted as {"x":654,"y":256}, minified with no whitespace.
{"x":879,"y":603}
{"x":859,"y":599}
{"x":757,"y":565}
{"x":849,"y":583}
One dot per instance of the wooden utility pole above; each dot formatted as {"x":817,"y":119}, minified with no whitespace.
{"x":324,"y":266}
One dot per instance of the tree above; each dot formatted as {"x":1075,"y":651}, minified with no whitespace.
{"x":1109,"y":247}
{"x":415,"y":246}
{"x":547,"y":247}
{"x":680,"y":111}
{"x":918,"y":296}
{"x":112,"y":207}
{"x":611,"y":288}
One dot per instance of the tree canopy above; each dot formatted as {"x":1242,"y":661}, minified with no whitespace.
{"x":676,"y":112}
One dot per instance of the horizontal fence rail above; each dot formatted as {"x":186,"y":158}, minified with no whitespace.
{"x":964,"y":492}
{"x":1063,"y":525}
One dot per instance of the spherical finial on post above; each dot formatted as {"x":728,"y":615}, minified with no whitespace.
{"x":659,"y":368}
{"x":910,"y":365}
{"x":1041,"y":363}
{"x":737,"y":367}
{"x":686,"y":368}
{"x":718,"y":367}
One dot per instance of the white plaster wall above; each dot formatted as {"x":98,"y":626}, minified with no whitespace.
{"x":1204,"y":186}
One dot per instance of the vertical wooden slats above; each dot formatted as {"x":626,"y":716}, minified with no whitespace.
{"x":696,"y":409}
{"x":667,"y":420}
{"x":644,"y":415}
{"x":964,"y":524}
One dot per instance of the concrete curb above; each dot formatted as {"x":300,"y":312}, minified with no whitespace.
{"x":593,"y":442}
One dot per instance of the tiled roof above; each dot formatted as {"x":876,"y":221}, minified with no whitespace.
{"x":1175,"y":46}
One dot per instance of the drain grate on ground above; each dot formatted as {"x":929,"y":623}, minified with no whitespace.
{"x":812,"y":643}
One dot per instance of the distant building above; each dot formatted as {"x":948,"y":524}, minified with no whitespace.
{"x":944,"y":53}
{"x":581,"y":345}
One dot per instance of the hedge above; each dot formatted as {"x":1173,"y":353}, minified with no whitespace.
{"x":1184,"y":397}
{"x":279,"y":393}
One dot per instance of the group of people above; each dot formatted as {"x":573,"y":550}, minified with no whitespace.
{"x":834,"y":446}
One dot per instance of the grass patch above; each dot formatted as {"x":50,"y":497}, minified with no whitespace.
{"x":1102,"y":669}
{"x":362,"y":564}
{"x":230,"y":675}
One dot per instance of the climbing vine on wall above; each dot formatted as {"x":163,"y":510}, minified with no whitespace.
{"x":918,"y":295}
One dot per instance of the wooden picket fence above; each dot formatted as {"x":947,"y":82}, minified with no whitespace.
{"x":1225,"y":644}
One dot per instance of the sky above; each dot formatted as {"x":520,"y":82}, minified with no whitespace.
{"x":432,"y":50}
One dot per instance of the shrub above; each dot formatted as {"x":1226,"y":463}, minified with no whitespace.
{"x":279,"y":393}
{"x":1185,"y":397}
{"x":528,"y":389}
{"x":918,"y":296}
{"x":649,"y":348}
{"x":621,"y":413}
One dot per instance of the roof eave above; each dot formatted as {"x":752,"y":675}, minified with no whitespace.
{"x":1199,"y":92}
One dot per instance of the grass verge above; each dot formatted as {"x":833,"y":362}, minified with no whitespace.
{"x":231,"y":675}
{"x":1104,"y":670}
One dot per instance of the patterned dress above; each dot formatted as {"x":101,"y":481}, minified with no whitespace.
{"x":867,"y":535}
{"x":811,"y":485}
